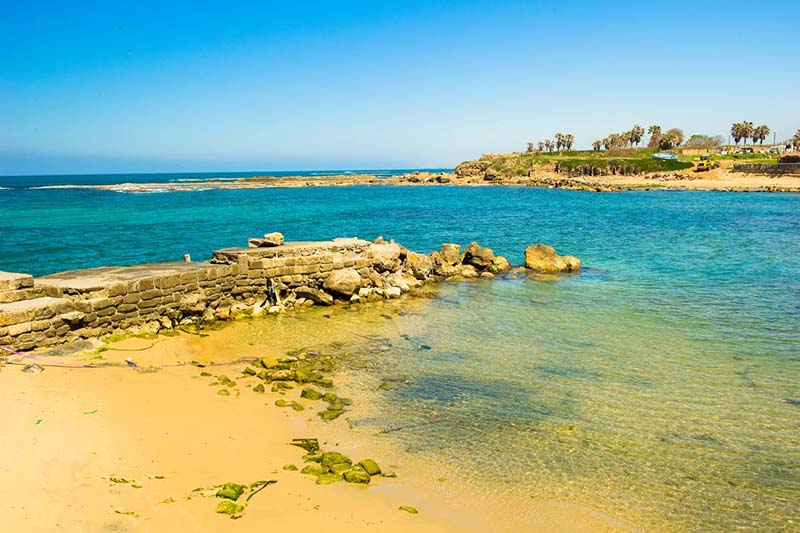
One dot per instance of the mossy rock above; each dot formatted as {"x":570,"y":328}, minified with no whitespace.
{"x":340,"y":468}
{"x":230,"y":491}
{"x":268,"y":362}
{"x":334,"y":458}
{"x":281,"y":385}
{"x":249,"y":371}
{"x":324,"y":382}
{"x":327,"y":479}
{"x":336,"y":406}
{"x":370,"y":466}
{"x":312,"y":458}
{"x":388,"y":474}
{"x":314,"y":469}
{"x":263,"y":375}
{"x":224,"y":392}
{"x":357,"y":475}
{"x":259,"y":388}
{"x":301,"y":376}
{"x":205,"y":374}
{"x":329,"y":414}
{"x":408,"y":509}
{"x":229,"y":508}
{"x":294,"y":405}
{"x":310,"y":394}
{"x":387,"y":385}
{"x":346,"y":401}
{"x":290,"y":468}
{"x":329,"y":397}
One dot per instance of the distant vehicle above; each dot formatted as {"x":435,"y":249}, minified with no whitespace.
{"x":661,"y":155}
{"x":705,"y":164}
{"x":774,"y":150}
{"x":745,"y":151}
{"x":723,"y":152}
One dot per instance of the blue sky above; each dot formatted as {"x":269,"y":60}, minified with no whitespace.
{"x":215,"y":86}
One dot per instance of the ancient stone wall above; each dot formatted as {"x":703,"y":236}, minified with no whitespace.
{"x":264,"y":278}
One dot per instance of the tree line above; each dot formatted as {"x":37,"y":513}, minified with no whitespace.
{"x":563,"y":140}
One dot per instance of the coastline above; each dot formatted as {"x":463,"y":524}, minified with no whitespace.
{"x":179,"y":434}
{"x":722,"y":179}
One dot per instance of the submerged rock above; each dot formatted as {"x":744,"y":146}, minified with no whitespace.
{"x":543,"y":258}
{"x":370,"y":466}
{"x":310,"y":394}
{"x":357,"y":475}
{"x":229,"y":508}
{"x":230,"y":491}
{"x":315,"y":295}
{"x":478,"y":256}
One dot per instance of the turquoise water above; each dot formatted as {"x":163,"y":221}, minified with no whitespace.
{"x":661,"y":384}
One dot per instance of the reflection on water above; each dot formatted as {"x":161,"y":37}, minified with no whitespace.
{"x":656,"y":417}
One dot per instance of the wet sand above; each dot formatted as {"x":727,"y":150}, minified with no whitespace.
{"x":67,"y":431}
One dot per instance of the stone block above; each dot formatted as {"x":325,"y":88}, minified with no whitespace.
{"x":11,"y":281}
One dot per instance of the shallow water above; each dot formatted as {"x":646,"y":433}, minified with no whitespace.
{"x":659,"y":385}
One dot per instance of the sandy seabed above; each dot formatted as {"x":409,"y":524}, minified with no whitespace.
{"x":68,"y":431}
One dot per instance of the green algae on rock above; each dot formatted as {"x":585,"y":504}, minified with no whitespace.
{"x":310,"y":394}
{"x":333,"y":458}
{"x":370,"y":466}
{"x":290,"y":467}
{"x":330,"y":414}
{"x":408,"y":509}
{"x":314,"y":469}
{"x":259,"y":388}
{"x":223,"y":392}
{"x":229,"y":508}
{"x":357,"y":475}
{"x":327,"y":479}
{"x":230,"y":491}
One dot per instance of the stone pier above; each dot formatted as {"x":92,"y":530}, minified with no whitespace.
{"x":263,"y":278}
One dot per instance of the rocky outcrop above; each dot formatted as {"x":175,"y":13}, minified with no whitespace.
{"x":472,"y":169}
{"x":543,"y":258}
{"x":315,"y":295}
{"x":386,"y":257}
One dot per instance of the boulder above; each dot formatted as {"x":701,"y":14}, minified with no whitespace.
{"x":419,"y":265}
{"x":315,"y":295}
{"x":386,"y":257}
{"x":478,"y":256}
{"x":543,"y":258}
{"x":450,"y":253}
{"x":357,"y":475}
{"x":344,"y":282}
{"x":370,"y":466}
{"x":499,"y":265}
{"x":393,"y":292}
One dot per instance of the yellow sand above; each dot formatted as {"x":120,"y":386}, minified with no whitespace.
{"x":66,"y":431}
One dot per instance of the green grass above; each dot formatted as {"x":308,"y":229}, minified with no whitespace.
{"x":630,"y":161}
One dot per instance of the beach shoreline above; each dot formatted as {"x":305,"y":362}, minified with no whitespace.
{"x":76,"y":430}
{"x":721,"y":179}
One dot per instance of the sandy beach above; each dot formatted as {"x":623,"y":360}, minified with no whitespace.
{"x":113,"y":448}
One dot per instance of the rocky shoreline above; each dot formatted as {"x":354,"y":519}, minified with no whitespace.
{"x":270,"y":276}
{"x":472,"y":174}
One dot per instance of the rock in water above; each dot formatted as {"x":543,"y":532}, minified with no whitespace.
{"x":315,"y":295}
{"x":543,"y":258}
{"x":499,"y":265}
{"x":420,"y":265}
{"x":478,"y":256}
{"x":370,"y":466}
{"x":344,"y":282}
{"x":450,"y":253}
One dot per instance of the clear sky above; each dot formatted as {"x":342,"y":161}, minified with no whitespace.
{"x":129,"y":86}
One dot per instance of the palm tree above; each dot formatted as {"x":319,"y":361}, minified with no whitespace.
{"x":736,"y":132}
{"x":747,"y":131}
{"x":530,"y":147}
{"x":541,"y":146}
{"x":597,"y":144}
{"x":567,"y":140}
{"x":559,"y":141}
{"x":655,"y":134}
{"x":636,"y":134}
{"x":550,"y":145}
{"x":760,"y":133}
{"x":796,"y":139}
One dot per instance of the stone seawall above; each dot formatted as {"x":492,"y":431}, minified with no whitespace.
{"x":270,"y":276}
{"x":84,"y":304}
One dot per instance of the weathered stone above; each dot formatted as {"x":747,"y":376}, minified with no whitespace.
{"x":314,"y":469}
{"x":543,"y":258}
{"x":229,"y":507}
{"x":332,"y":458}
{"x":11,"y":281}
{"x":230,"y":491}
{"x":273,"y":239}
{"x":310,"y":394}
{"x":499,"y":265}
{"x":393,"y":292}
{"x":478,"y":256}
{"x":386,"y":257}
{"x":450,"y":253}
{"x":327,"y":479}
{"x":419,"y":265}
{"x":344,"y":282}
{"x":315,"y":295}
{"x":468,"y":271}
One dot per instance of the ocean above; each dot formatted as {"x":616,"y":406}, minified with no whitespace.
{"x":661,"y":384}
